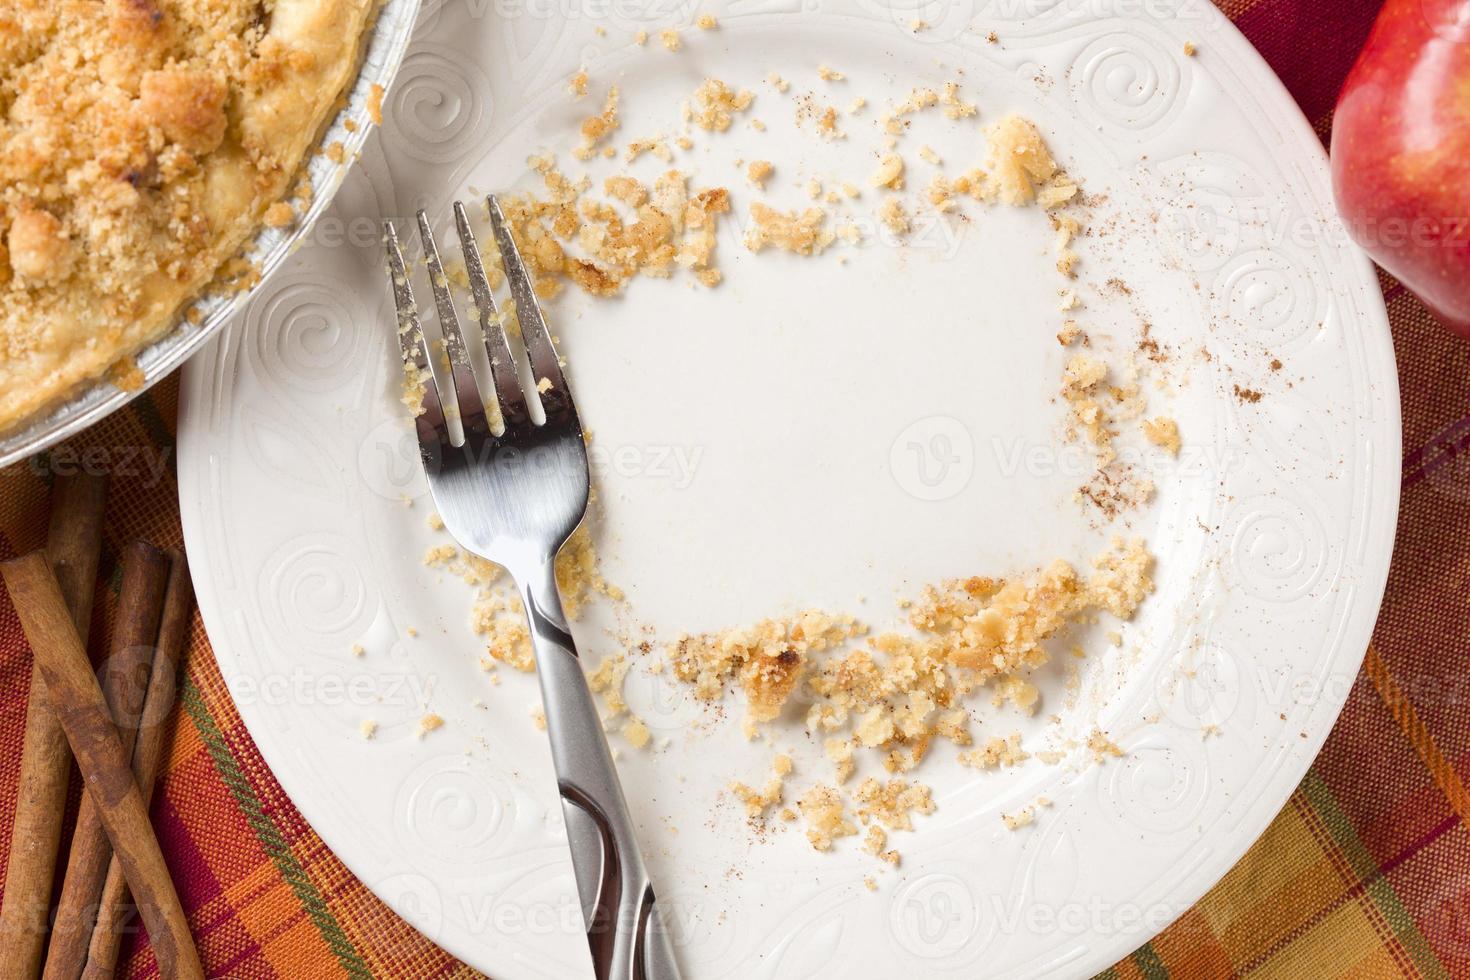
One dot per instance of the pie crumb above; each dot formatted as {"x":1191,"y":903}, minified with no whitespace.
{"x":1163,"y":432}
{"x":996,"y":753}
{"x":596,"y":128}
{"x":1103,"y":748}
{"x":802,"y":234}
{"x":759,"y":801}
{"x":1021,"y":818}
{"x":716,"y":104}
{"x":889,"y":173}
{"x":822,"y":808}
{"x":1019,"y":161}
{"x":375,"y":104}
{"x":279,"y":215}
{"x":126,"y":375}
{"x":893,"y":216}
{"x":636,"y":732}
{"x":427,"y":724}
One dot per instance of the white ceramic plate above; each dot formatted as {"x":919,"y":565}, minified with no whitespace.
{"x":827,"y":433}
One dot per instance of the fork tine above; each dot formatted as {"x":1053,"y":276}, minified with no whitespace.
{"x":467,"y":398}
{"x":556,"y":399}
{"x":430,"y":421}
{"x":508,"y":393}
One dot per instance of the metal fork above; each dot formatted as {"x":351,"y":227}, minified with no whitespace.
{"x":513,"y":498}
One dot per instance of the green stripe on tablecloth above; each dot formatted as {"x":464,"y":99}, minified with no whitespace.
{"x":1374,"y":883}
{"x":269,"y":834}
{"x":1149,"y":964}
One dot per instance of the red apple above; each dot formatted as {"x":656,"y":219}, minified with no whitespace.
{"x":1401,"y":151}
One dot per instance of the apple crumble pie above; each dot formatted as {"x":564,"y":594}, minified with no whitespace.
{"x":141,"y":143}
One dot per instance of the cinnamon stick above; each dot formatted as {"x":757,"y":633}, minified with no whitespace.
{"x":145,"y":574}
{"x":153,"y":730}
{"x":73,"y":545}
{"x":78,"y":701}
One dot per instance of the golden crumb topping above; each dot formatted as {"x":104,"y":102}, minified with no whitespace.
{"x":1019,"y":160}
{"x":767,"y":658}
{"x":802,"y":233}
{"x":715,"y":104}
{"x":567,"y":235}
{"x":498,"y":617}
{"x":187,"y":106}
{"x":772,"y":794}
{"x":822,"y":808}
{"x":889,"y":173}
{"x":895,"y":693}
{"x":1163,"y":432}
{"x":596,"y":128}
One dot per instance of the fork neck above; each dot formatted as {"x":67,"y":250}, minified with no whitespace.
{"x":542,"y":600}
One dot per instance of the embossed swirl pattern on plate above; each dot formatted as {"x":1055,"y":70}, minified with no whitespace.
{"x":314,"y":593}
{"x":1278,"y":548}
{"x":440,"y":106}
{"x":1272,"y":296}
{"x":1160,"y":787}
{"x":455,"y":813}
{"x":1205,"y":685}
{"x":1129,"y":82}
{"x":303,"y":334}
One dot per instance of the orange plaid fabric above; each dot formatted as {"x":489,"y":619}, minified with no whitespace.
{"x":1365,"y":872}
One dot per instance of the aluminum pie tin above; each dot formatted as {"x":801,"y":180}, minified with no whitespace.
{"x":387,"y":40}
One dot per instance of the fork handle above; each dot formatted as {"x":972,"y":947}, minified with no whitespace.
{"x":624,"y":929}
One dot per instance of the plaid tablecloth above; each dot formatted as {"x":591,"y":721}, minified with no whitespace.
{"x":1367,"y":868}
